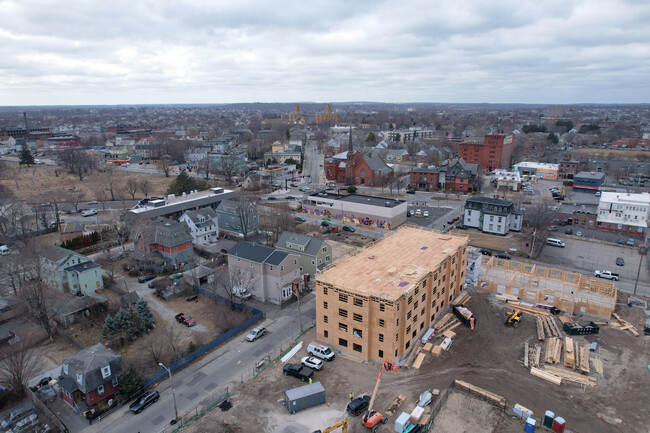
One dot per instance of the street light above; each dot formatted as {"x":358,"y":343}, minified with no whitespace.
{"x":171,"y":384}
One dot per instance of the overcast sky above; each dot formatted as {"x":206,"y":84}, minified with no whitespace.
{"x":155,"y":51}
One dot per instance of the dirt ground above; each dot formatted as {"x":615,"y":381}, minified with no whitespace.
{"x":491,"y":357}
{"x":33,"y":183}
{"x":498,"y":243}
{"x":214,"y":316}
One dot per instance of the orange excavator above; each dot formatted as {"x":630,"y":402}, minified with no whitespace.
{"x":371,"y":418}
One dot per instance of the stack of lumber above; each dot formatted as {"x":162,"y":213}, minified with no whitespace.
{"x":526,"y":354}
{"x":442,"y":322}
{"x":598,"y":365}
{"x":532,"y":355}
{"x":557,"y":380}
{"x":436,"y":351}
{"x":507,"y":297}
{"x":395,"y":405}
{"x":414,"y":353}
{"x":480,"y":392}
{"x":450,"y":326}
{"x":565,"y":319}
{"x":449,"y":333}
{"x":569,"y":353}
{"x":427,"y":347}
{"x":571,"y":376}
{"x":553,"y":352}
{"x":583,"y":365}
{"x":551,"y":327}
{"x":540,"y":329}
{"x":624,"y":325}
{"x":461,"y":299}
{"x":418,"y":361}
{"x":527,"y":309}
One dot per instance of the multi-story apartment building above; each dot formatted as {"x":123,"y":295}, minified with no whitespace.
{"x":424,"y":179}
{"x":626,"y":213}
{"x":315,"y":253}
{"x":203,"y":225}
{"x":495,"y":151}
{"x":377,"y":302}
{"x":492,"y":215}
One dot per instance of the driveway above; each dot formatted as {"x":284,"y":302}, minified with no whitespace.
{"x":164,"y":311}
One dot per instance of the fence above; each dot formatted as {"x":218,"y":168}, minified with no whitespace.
{"x":206,"y":405}
{"x":257,"y":315}
{"x":46,"y":411}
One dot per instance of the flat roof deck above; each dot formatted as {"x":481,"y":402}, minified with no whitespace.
{"x":389,"y":268}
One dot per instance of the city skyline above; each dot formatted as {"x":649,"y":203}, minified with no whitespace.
{"x":545,"y":52}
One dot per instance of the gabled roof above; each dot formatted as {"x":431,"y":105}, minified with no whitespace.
{"x":57,"y":254}
{"x":311,"y":245}
{"x":276,"y":258}
{"x":165,"y":232}
{"x":207,"y":213}
{"x":229,"y":207}
{"x":89,"y":363}
{"x":82,"y":267}
{"x":376,"y":163}
{"x":251,"y":251}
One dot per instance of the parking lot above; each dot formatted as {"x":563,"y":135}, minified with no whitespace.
{"x":437,"y":215}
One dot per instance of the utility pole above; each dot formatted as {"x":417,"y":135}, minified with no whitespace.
{"x":643,"y":251}
{"x":296,"y":287}
{"x":171,"y":385}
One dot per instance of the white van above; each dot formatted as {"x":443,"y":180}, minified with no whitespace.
{"x":320,"y":351}
{"x":555,"y":242}
{"x":4,"y":250}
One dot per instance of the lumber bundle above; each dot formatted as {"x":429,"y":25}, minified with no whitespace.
{"x":418,"y":361}
{"x":531,"y":310}
{"x":553,"y":350}
{"x":526,"y":354}
{"x":450,"y":326}
{"x":547,"y":327}
{"x":480,"y":392}
{"x":507,"y":297}
{"x":436,"y":351}
{"x":395,"y":405}
{"x":540,"y":329}
{"x":569,"y":353}
{"x":554,"y":326}
{"x":449,"y":333}
{"x":598,"y":365}
{"x":565,"y":319}
{"x":584,"y":359}
{"x":427,"y":347}
{"x":414,"y":353}
{"x":624,"y":325}
{"x":461,"y":299}
{"x":571,"y":376}
{"x":557,"y":380}
{"x":442,"y":322}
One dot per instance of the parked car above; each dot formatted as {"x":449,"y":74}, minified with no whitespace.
{"x":296,"y":370}
{"x":608,"y":275}
{"x":418,"y":212}
{"x":620,"y":241}
{"x":552,"y":228}
{"x":255,"y":333}
{"x":185,"y":319}
{"x":17,"y":415}
{"x":301,"y":219}
{"x":620,"y":261}
{"x":324,"y":224}
{"x":455,"y":219}
{"x":145,"y":278}
{"x":410,"y":191}
{"x":89,"y":212}
{"x":42,"y":382}
{"x":527,"y":202}
{"x":579,"y":234}
{"x":568,"y":231}
{"x":348,"y":229}
{"x":503,"y":255}
{"x":312,"y":362}
{"x":425,"y":214}
{"x":630,"y":242}
{"x":144,"y":401}
{"x":462,"y":227}
{"x":93,"y":202}
{"x":293,"y":185}
{"x":485,"y":251}
{"x":359,"y":405}
{"x":271,"y":198}
{"x":224,"y":251}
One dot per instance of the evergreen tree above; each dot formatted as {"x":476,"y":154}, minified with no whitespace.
{"x":125,"y":324}
{"x":146,"y":318}
{"x":130,"y":381}
{"x":371,"y":137}
{"x":26,"y":156}
{"x":108,"y":330}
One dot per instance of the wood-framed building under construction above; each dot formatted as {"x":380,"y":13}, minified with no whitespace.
{"x":548,"y":286}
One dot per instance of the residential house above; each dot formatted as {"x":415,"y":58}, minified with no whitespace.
{"x":91,"y":378}
{"x":268,"y":274}
{"x":203,"y":225}
{"x":162,"y":245}
{"x":461,"y":176}
{"x":314,"y":253}
{"x":66,"y":270}
{"x":492,"y":215}
{"x":424,"y":179}
{"x":237,"y":217}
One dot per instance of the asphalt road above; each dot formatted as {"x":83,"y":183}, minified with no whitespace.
{"x":313,"y":163}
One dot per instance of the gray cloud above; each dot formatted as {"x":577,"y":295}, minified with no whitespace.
{"x":546,"y":51}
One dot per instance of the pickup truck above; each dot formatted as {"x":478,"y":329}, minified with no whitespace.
{"x":296,"y":370}
{"x":606,"y":274}
{"x":185,"y":320}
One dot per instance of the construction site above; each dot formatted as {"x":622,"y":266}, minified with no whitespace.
{"x":492,"y":378}
{"x":548,"y":287}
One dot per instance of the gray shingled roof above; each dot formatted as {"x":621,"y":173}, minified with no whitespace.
{"x":165,"y":232}
{"x":57,"y":254}
{"x":490,"y":200}
{"x":81,"y":267}
{"x":208,"y":213}
{"x":276,"y":258}
{"x":228,"y":207}
{"x":89,"y":363}
{"x":311,"y":245}
{"x":250,"y":251}
{"x":376,"y":163}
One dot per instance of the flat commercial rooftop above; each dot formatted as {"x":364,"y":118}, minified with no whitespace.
{"x":391,"y":267}
{"x":358,"y":198}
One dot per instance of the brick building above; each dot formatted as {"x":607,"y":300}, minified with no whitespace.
{"x":460,"y":176}
{"x":407,"y":280}
{"x":567,"y":168}
{"x":495,"y":151}
{"x":424,"y":179}
{"x":353,"y":168}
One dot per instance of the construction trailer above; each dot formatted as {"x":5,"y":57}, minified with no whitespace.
{"x":304,"y":397}
{"x":547,"y":287}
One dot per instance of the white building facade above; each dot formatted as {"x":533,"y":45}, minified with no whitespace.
{"x":625,"y":213}
{"x":491,"y":215}
{"x":203,"y":224}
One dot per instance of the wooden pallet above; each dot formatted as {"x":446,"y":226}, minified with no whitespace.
{"x":395,"y":405}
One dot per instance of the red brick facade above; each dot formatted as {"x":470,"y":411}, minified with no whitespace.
{"x":356,"y":171}
{"x":494,"y":152}
{"x":424,"y":179}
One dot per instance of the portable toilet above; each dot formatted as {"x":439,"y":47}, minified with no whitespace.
{"x":304,"y":397}
{"x":548,"y":419}
{"x":530,"y":425}
{"x":559,"y":424}
{"x":402,"y":422}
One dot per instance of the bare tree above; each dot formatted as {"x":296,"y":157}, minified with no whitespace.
{"x":132,"y":187}
{"x":77,"y":197}
{"x":538,"y":216}
{"x":205,"y":165}
{"x":77,"y":162}
{"x":19,"y":362}
{"x":101,"y":195}
{"x":165,"y":164}
{"x":245,"y":213}
{"x":233,"y":284}
{"x":41,"y":301}
{"x":145,"y":187}
{"x":228,"y":166}
{"x":109,"y":180}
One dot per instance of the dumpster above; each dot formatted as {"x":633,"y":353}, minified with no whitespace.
{"x":304,"y":397}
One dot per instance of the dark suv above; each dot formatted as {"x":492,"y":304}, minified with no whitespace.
{"x":359,"y":405}
{"x":145,"y":278}
{"x":146,"y":399}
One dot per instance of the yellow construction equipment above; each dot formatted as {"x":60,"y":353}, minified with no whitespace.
{"x":513,"y":317}
{"x":331,"y":428}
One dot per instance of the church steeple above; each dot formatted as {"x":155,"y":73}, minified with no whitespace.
{"x":350,"y":140}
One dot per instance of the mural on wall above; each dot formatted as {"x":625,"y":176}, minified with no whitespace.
{"x":366,"y":221}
